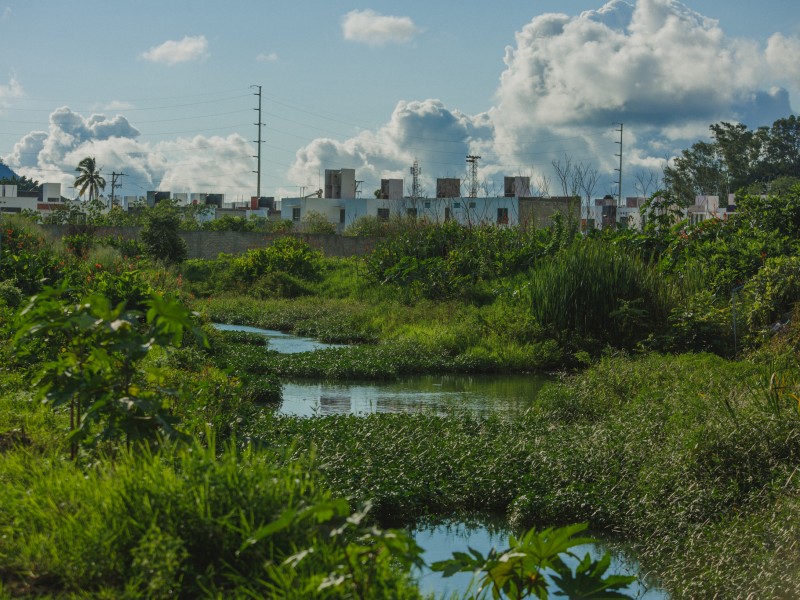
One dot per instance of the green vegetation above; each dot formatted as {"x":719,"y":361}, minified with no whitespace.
{"x":141,"y":455}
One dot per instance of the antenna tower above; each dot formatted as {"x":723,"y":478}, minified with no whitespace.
{"x":472,"y":161}
{"x":259,"y":142}
{"x":415,"y":173}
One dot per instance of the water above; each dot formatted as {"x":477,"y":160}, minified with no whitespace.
{"x":482,"y":394}
{"x":285,"y":343}
{"x":437,"y":393}
{"x":439,"y":542}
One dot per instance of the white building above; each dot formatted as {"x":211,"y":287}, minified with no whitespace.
{"x":45,"y":201}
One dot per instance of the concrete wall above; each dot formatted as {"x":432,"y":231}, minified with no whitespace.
{"x":538,"y":212}
{"x":208,"y":244}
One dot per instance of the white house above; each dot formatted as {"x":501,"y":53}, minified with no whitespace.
{"x":46,"y":200}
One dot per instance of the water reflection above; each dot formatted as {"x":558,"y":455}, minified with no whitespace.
{"x":441,"y":540}
{"x":438,"y":393}
{"x":285,"y":343}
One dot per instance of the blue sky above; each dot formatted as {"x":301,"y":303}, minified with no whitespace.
{"x":161,"y":90}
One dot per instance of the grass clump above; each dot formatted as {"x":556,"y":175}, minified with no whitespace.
{"x":186,"y":522}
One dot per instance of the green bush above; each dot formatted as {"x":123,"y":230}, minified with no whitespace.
{"x":160,"y":235}
{"x":772,"y":292}
{"x":10,"y":294}
{"x":288,"y":254}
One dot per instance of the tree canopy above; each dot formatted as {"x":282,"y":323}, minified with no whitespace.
{"x":89,"y":178}
{"x":738,"y":158}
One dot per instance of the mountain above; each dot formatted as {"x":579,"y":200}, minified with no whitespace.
{"x":5,"y":172}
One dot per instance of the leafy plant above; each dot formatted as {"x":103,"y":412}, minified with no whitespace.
{"x":97,"y":364}
{"x":521,"y":570}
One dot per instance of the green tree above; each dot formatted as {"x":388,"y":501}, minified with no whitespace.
{"x":23,"y":183}
{"x":160,"y":234}
{"x":89,"y":178}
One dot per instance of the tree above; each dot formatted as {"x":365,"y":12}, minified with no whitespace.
{"x":23,"y":183}
{"x":89,"y":178}
{"x":160,"y":234}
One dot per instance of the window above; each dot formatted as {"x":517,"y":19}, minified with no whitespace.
{"x":427,"y":205}
{"x":446,"y":214}
{"x":472,"y":205}
{"x":296,"y":214}
{"x":502,"y":216}
{"x":341,"y":215}
{"x":411,"y":212}
{"x":383,"y":214}
{"x":456,"y":204}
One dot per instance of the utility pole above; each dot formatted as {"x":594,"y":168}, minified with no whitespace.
{"x":473,"y":184}
{"x":259,"y":142}
{"x":114,"y":186}
{"x":619,"y":171}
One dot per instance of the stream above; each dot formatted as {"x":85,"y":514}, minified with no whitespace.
{"x":481,"y":394}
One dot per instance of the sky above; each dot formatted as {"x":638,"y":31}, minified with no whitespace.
{"x":165,"y":92}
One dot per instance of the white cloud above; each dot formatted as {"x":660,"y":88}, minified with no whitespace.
{"x":174,"y":52}
{"x":117,"y":105}
{"x":5,"y":13}
{"x":10,"y":91}
{"x":202,"y":164}
{"x":374,"y":29}
{"x":664,"y":70}
{"x":783,"y":55}
{"x":426,"y":130}
{"x":270,"y":57}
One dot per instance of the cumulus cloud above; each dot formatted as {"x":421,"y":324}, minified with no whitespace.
{"x":783,"y":55}
{"x":655,"y":65}
{"x":661,"y":68}
{"x":371,"y":28}
{"x":426,"y":130}
{"x":197,"y":164}
{"x":173,"y":52}
{"x":267,"y":57}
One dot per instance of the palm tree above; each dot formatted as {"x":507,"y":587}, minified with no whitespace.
{"x":89,"y":178}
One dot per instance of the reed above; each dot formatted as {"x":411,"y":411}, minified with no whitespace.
{"x":596,"y":290}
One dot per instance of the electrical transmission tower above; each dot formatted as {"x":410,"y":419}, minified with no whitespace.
{"x":114,"y":186}
{"x":472,"y":161}
{"x":259,"y":142}
{"x":415,"y":173}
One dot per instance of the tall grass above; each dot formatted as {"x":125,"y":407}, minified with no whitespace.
{"x":597,"y":290}
{"x":185,"y":523}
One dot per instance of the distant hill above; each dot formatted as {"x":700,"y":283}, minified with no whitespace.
{"x":5,"y":172}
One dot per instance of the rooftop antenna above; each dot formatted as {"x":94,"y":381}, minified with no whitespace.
{"x":415,"y":173}
{"x":472,"y":160}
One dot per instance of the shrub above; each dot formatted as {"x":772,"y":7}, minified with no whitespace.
{"x":772,"y":291}
{"x":160,"y":235}
{"x":288,"y":254}
{"x":315,"y":222}
{"x":10,"y":294}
